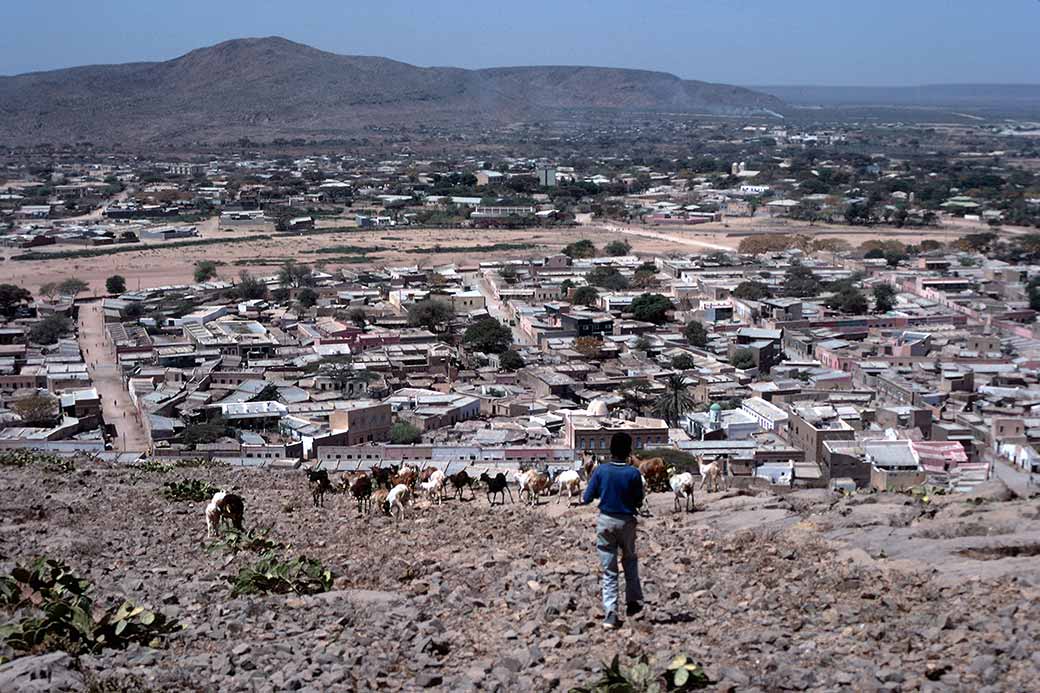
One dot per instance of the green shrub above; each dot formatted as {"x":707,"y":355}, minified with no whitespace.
{"x":153,"y":466}
{"x":271,"y":575}
{"x":253,"y":540}
{"x":188,"y":490}
{"x":682,"y":674}
{"x":66,"y":616}
{"x":26,"y":458}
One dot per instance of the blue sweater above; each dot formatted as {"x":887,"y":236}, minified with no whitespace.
{"x":618,"y":487}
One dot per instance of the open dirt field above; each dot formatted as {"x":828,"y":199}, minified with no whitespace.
{"x":800,"y":591}
{"x":162,"y":264}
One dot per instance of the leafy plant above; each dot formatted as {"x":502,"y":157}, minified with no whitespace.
{"x":254,"y":540}
{"x":200,"y":462}
{"x":685,"y":675}
{"x":67,"y":617}
{"x":682,"y":674}
{"x":26,"y":458}
{"x":153,"y":466}
{"x":271,"y":575}
{"x":189,"y":490}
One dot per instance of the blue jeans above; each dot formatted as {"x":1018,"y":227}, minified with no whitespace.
{"x":615,"y":534}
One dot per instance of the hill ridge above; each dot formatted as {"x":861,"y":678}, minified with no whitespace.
{"x":270,"y":86}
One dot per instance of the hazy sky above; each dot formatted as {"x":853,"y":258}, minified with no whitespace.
{"x":750,"y":42}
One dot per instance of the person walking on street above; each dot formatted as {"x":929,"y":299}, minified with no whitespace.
{"x":619,"y":488}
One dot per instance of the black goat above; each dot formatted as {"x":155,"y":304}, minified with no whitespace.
{"x":497,"y":485}
{"x":320,"y":485}
{"x":460,"y":481}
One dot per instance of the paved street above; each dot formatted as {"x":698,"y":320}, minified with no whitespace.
{"x":101,"y":362}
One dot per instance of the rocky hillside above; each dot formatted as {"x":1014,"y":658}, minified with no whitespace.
{"x":805,"y":591}
{"x":264,"y":88}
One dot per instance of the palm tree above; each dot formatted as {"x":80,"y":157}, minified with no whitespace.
{"x":676,"y":399}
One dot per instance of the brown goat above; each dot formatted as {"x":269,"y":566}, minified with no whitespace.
{"x":655,"y":472}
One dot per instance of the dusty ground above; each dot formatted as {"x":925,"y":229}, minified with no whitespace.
{"x":770,"y":592}
{"x":159,"y":265}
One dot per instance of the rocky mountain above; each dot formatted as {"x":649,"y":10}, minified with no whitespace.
{"x":271,"y":87}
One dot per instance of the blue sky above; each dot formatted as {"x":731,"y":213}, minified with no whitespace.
{"x":749,"y":42}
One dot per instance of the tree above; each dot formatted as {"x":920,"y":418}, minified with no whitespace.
{"x":72,"y":287}
{"x":752,"y":291}
{"x":307,"y":297}
{"x":204,"y":433}
{"x":342,"y":372}
{"x":116,"y":284}
{"x":431,"y":314}
{"x":12,"y":298}
{"x":644,"y":344}
{"x":580,"y":249}
{"x":800,"y":281}
{"x":205,"y":270}
{"x":295,"y":276}
{"x":49,"y":290}
{"x":50,"y":329}
{"x":250,"y":288}
{"x":589,"y":347}
{"x":645,"y":275}
{"x":404,"y":433}
{"x":884,"y":298}
{"x":358,"y":317}
{"x":617,"y":248}
{"x":742,"y":359}
{"x":765,"y":243}
{"x":651,"y":308}
{"x":511,"y":361}
{"x":585,"y":296}
{"x":874,"y":254}
{"x":36,"y":409}
{"x":676,"y":399}
{"x":608,"y":278}
{"x":849,"y":300}
{"x":683,"y":362}
{"x":508,"y":274}
{"x":488,"y":336}
{"x":894,"y":257}
{"x":695,"y":334}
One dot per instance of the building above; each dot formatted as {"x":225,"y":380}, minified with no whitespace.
{"x":546,"y":176}
{"x":769,"y":417}
{"x":361,"y":421}
{"x":592,"y":433}
{"x":809,"y":427}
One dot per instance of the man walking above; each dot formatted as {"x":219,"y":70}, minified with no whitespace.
{"x":619,"y":488}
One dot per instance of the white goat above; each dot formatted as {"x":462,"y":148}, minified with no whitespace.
{"x":682,"y":486}
{"x":570,"y":480}
{"x":397,"y":500}
{"x":711,"y":476}
{"x":224,"y":507}
{"x":434,"y":486}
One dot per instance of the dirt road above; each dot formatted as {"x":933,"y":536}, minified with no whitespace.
{"x":104,"y":372}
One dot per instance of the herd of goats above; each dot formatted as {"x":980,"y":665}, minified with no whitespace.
{"x":392,"y":488}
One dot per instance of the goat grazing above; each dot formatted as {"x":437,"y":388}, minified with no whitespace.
{"x":397,"y":500}
{"x":318,"y":480}
{"x":655,"y":472}
{"x":224,"y":507}
{"x":434,"y":486}
{"x":711,"y":476}
{"x":682,"y":486}
{"x":407,"y":476}
{"x":497,"y":485}
{"x":533,"y":483}
{"x":460,"y":481}
{"x":381,"y":476}
{"x":569,"y":480}
{"x":378,"y":499}
{"x":361,"y":490}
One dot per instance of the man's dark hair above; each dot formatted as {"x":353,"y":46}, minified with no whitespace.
{"x":620,"y":446}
